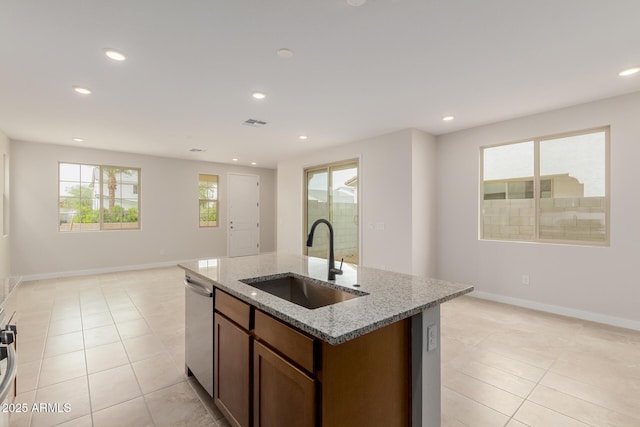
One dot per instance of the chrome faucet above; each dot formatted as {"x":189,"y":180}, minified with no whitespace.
{"x":332,"y":266}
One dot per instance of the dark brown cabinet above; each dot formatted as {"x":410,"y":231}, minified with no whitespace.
{"x":283,"y":395}
{"x":367,"y":381}
{"x":267,"y":373}
{"x":231,"y":370}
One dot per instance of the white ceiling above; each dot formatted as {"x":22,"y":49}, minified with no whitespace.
{"x":356,"y":72}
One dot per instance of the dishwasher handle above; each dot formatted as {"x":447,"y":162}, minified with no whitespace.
{"x":197,"y":288}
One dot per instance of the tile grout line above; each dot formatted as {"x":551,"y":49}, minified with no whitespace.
{"x":91,"y":411}
{"x":475,"y":346}
{"x":44,"y":352}
{"x":472,"y":347}
{"x":129,"y":360}
{"x":583,"y":400}
{"x":86,"y":362}
{"x":74,"y":295}
{"x":526,"y":399}
{"x":582,"y":326}
{"x":146,"y":404}
{"x":501,"y":371}
{"x":41,"y":362}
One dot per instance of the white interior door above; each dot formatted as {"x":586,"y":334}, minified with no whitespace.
{"x":244,"y":215}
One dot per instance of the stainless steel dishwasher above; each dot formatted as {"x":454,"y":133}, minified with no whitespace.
{"x":198,"y":354}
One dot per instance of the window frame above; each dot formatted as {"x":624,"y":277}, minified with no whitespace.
{"x":101,"y":196}
{"x":6,"y":198}
{"x":216,"y":200}
{"x":329,"y":167}
{"x":606,"y":129}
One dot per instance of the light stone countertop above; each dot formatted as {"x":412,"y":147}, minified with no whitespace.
{"x":392,"y":296}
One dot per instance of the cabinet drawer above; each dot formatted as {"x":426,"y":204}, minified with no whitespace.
{"x":291,"y":343}
{"x":233,"y":308}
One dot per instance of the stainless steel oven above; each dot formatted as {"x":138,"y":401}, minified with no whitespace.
{"x":199,"y":331}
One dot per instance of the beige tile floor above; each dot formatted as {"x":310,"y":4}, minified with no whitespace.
{"x":505,"y":365}
{"x":112,"y":347}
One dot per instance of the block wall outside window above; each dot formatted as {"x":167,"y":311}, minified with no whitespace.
{"x":551,"y":189}
{"x":332,"y":194}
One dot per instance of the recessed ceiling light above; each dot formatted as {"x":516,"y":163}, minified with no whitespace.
{"x":285,"y":53}
{"x":235,"y":160}
{"x":115,"y":55}
{"x":629,"y":71}
{"x":303,"y":137}
{"x":82,"y":90}
{"x":448,"y":118}
{"x":356,"y":3}
{"x":78,"y":139}
{"x":258,"y":95}
{"x":253,"y":163}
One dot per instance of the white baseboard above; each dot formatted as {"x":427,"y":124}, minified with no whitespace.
{"x":87,"y":272}
{"x":563,"y":311}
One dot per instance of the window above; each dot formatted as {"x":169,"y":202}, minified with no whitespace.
{"x":5,"y":195}
{"x":98,"y":197}
{"x":332,"y":194}
{"x":208,"y":188}
{"x":551,"y":189}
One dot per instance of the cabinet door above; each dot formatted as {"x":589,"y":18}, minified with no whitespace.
{"x":283,"y":395}
{"x":231,"y":371}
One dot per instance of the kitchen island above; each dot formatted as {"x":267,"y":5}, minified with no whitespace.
{"x":389,"y":332}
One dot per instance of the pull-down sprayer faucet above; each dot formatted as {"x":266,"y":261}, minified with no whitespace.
{"x":332,"y":266}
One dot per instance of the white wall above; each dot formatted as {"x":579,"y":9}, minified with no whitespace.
{"x":169,"y":213}
{"x":5,"y":255}
{"x":601,"y":282}
{"x":386,"y":195}
{"x":423,"y":167}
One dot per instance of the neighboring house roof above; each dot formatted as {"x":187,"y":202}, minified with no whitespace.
{"x":340,"y":194}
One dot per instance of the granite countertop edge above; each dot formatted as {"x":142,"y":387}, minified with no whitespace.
{"x":271,"y":303}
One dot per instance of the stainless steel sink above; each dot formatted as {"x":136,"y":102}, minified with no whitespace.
{"x":302,"y":290}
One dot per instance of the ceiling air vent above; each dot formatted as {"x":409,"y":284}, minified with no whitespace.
{"x":255,"y":123}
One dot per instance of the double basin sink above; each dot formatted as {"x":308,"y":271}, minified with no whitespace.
{"x":302,"y":290}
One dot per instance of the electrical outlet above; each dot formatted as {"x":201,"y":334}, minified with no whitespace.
{"x":432,"y":337}
{"x":525,"y":279}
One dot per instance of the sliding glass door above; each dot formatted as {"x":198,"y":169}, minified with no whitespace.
{"x":332,"y":194}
